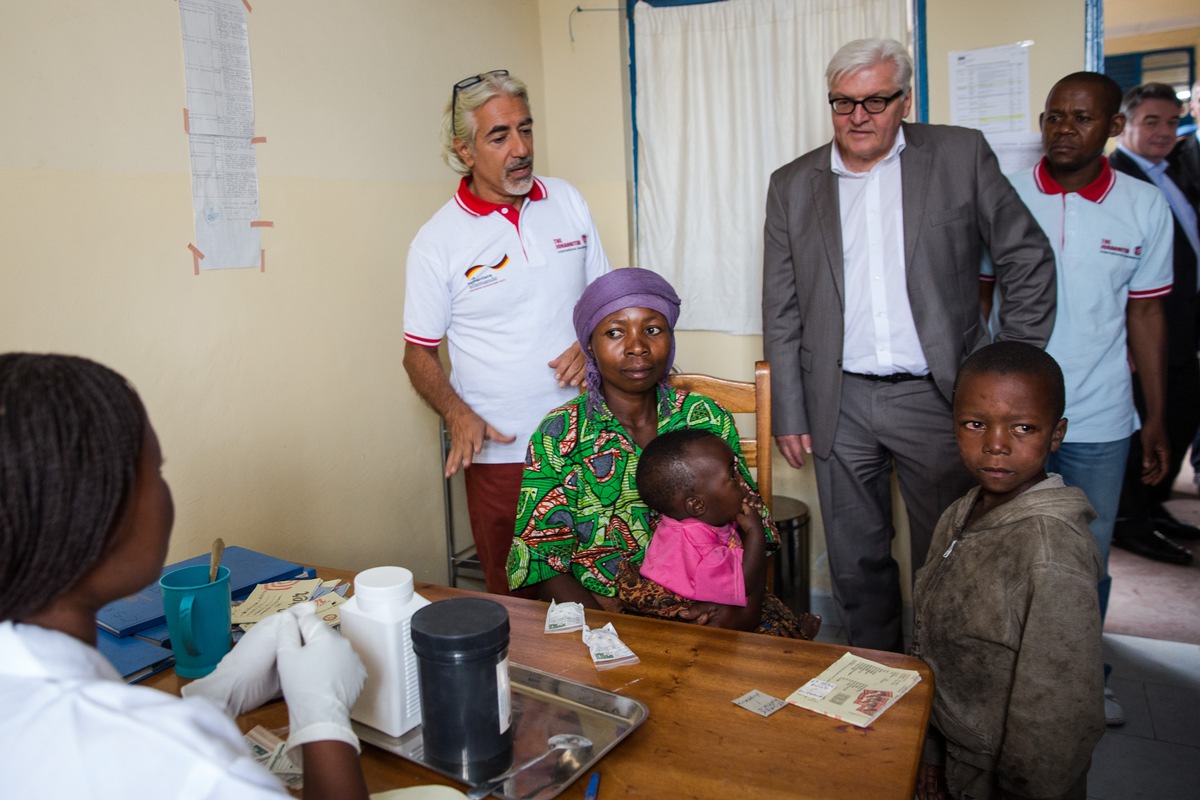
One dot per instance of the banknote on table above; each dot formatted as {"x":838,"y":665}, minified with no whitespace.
{"x":271,"y":598}
{"x":855,"y":690}
{"x":267,"y":749}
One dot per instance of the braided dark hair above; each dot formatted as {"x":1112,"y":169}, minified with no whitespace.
{"x":71,"y":433}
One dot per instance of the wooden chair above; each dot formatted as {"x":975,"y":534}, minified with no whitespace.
{"x":742,"y":397}
{"x":787,"y":570}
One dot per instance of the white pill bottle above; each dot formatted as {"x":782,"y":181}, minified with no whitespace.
{"x":377,"y":620}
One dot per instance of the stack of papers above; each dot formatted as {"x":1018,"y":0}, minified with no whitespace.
{"x":269,"y":750}
{"x":855,"y":690}
{"x":271,"y":598}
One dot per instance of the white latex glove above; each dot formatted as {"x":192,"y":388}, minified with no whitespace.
{"x":246,"y":677}
{"x":321,"y":680}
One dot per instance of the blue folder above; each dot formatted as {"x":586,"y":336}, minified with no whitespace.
{"x":133,"y":658}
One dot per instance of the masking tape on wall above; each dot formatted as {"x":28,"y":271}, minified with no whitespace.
{"x":196,"y":256}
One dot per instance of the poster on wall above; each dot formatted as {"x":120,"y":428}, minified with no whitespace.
{"x":219,"y":118}
{"x":989,"y":88}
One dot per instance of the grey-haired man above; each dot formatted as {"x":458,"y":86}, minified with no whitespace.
{"x":496,"y":272}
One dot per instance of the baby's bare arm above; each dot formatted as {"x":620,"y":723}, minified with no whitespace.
{"x":754,"y":555}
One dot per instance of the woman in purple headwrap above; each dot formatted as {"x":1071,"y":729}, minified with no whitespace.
{"x":580,"y":515}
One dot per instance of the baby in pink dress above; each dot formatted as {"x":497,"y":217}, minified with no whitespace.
{"x":710,"y":545}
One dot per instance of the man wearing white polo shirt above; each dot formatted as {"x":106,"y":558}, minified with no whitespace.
{"x":1112,"y":246}
{"x":496,"y":272}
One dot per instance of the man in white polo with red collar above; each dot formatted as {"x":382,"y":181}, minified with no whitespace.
{"x":496,"y":272}
{"x":1112,"y":245}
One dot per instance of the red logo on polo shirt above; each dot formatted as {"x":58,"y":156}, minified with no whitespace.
{"x":567,"y":245}
{"x":1108,"y":246}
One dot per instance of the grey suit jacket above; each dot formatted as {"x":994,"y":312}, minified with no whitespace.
{"x":956,"y":204}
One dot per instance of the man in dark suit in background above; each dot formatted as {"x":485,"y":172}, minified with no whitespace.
{"x":1185,"y":171}
{"x":1185,"y":157}
{"x":870,"y":303}
{"x":1144,"y":526}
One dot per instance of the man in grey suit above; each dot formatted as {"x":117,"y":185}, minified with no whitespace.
{"x":870,"y":303}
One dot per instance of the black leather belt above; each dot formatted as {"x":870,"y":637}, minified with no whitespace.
{"x":895,"y":377}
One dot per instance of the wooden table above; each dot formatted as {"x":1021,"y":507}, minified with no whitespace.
{"x":696,"y":743}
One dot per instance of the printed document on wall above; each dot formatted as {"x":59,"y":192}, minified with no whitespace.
{"x":989,"y":88}
{"x":220,"y":107}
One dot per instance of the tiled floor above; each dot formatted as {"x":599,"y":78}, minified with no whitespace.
{"x":1156,"y":754}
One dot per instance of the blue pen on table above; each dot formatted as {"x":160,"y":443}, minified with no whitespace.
{"x":593,"y":790}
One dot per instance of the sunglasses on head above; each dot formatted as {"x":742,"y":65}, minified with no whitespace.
{"x":467,"y":83}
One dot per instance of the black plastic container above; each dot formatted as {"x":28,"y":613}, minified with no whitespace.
{"x":466,"y":700}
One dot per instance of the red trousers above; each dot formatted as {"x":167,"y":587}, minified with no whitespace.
{"x":492,"y":494}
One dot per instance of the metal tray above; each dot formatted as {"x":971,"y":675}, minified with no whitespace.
{"x":543,"y":705}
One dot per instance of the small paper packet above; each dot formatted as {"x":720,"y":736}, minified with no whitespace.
{"x":760,"y":703}
{"x":607,"y":649}
{"x":564,"y":617}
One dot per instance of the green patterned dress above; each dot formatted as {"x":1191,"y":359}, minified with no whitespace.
{"x":579,"y":511}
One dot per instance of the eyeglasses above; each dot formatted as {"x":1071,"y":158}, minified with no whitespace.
{"x":467,"y":83}
{"x":872,"y":105}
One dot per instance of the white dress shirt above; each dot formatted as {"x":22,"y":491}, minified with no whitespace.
{"x":879,"y":330}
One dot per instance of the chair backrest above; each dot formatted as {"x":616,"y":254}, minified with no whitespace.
{"x":742,"y":397}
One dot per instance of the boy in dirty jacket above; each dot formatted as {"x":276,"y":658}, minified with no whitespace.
{"x":1006,"y":606}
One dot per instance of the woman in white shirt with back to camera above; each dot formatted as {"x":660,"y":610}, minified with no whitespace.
{"x":85,"y":517}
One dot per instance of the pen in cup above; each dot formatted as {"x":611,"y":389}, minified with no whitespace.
{"x":593,"y":790}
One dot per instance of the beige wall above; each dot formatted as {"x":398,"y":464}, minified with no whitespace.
{"x":586,"y":122}
{"x":1056,"y":28}
{"x":286,"y":419}
{"x":1184,"y":37}
{"x":1124,"y":15}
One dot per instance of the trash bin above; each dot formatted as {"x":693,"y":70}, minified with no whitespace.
{"x":792,"y":561}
